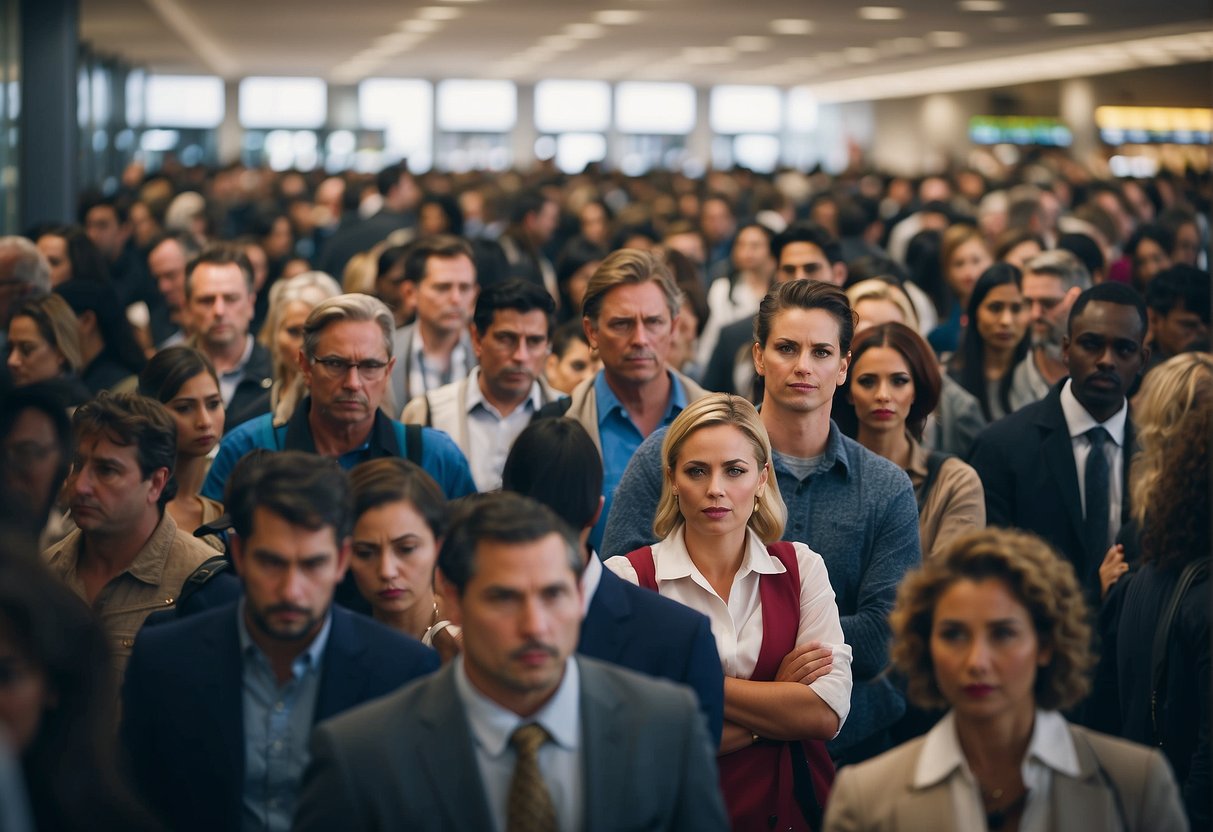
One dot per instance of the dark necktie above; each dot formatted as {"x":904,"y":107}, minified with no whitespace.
{"x":529,"y":808}
{"x":1096,"y":485}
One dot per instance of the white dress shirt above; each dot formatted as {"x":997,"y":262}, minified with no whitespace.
{"x":590,"y":579}
{"x":737,"y":623}
{"x":1050,"y":750}
{"x":1079,"y":421}
{"x":490,"y":435}
{"x":560,"y":760}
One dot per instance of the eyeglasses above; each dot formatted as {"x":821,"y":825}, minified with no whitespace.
{"x":335,"y":368}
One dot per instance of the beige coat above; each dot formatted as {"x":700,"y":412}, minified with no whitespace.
{"x":1121,"y":786}
{"x":956,"y":504}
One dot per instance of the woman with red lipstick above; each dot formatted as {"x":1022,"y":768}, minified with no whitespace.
{"x":891,"y":389}
{"x":184,"y":381}
{"x":400,"y":518}
{"x":787,"y":667}
{"x":994,"y":340}
{"x":995,"y":628}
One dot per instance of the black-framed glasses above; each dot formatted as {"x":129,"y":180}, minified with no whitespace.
{"x":370,"y":370}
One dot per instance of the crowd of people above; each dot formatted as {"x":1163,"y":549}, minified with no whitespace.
{"x":536,"y":502}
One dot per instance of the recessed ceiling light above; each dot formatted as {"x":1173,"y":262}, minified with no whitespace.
{"x":421,"y":27}
{"x":947,"y":40}
{"x":438,"y":13}
{"x":881,"y":12}
{"x":859,"y":54}
{"x":908,"y":45}
{"x":750,"y":43}
{"x":617,"y":17}
{"x":584,"y":31}
{"x":1068,"y":19}
{"x":981,"y":5}
{"x":708,"y":54}
{"x":792,"y":26}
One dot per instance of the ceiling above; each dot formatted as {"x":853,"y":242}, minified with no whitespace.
{"x":783,"y":42}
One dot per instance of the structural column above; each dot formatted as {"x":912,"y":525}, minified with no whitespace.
{"x":48,"y":130}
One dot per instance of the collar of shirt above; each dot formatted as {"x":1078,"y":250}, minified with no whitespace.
{"x":675,"y":561}
{"x":309,"y":658}
{"x":1079,"y":421}
{"x":417,"y":358}
{"x":1051,"y":746}
{"x":834,"y":455}
{"x":609,"y":403}
{"x":492,"y":725}
{"x":382,"y":438}
{"x":920,"y":460}
{"x":243,"y":362}
{"x":590,"y":579}
{"x":475,"y":397}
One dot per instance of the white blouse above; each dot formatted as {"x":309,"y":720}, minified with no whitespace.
{"x":737,"y":623}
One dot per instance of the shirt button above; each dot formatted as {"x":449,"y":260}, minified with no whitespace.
{"x":279,"y":707}
{"x":128,"y":642}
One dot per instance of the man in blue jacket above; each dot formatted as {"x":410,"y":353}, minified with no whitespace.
{"x":218,"y":707}
{"x":346,"y":363}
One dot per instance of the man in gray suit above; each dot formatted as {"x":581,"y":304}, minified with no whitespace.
{"x":516,"y":733}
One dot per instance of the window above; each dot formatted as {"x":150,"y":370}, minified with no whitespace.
{"x":572,"y":106}
{"x":184,"y":101}
{"x":576,"y":150}
{"x":655,"y":109}
{"x":283,"y":102}
{"x":738,"y":109}
{"x":404,"y":109}
{"x":477,"y":106}
{"x":136,"y":83}
{"x":802,"y":110}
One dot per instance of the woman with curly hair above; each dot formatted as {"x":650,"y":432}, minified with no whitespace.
{"x":1163,"y":699}
{"x":995,"y":628}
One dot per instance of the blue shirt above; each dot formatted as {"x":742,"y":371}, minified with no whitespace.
{"x":440,"y":456}
{"x":857,"y":510}
{"x":620,"y":438}
{"x":277,"y":725}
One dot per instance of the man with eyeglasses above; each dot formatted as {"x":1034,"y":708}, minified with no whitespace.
{"x":485,"y":412}
{"x":346,"y":361}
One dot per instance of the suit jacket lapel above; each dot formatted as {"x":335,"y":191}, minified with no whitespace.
{"x":602,"y":726}
{"x":448,"y":758}
{"x":1083,"y":802}
{"x":343,"y":677}
{"x":1058,"y":452}
{"x":602,"y":629}
{"x":927,"y":810}
{"x":224,"y":702}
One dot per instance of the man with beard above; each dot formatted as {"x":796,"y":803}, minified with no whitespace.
{"x":346,"y":362}
{"x":1052,"y":281}
{"x":485,"y":412}
{"x":217,"y":708}
{"x":1059,"y":467}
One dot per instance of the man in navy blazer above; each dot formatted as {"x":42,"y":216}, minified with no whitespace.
{"x":218,"y":707}
{"x":555,"y":462}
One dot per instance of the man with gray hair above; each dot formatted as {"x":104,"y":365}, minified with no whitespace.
{"x":1052,"y":281}
{"x":346,"y":362}
{"x":23,"y":271}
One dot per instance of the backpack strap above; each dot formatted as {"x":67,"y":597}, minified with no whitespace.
{"x":935,"y":461}
{"x":646,"y":570}
{"x":414,"y":440}
{"x":1162,"y":636}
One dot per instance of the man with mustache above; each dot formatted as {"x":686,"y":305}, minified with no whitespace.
{"x":629,"y":311}
{"x":485,"y":412}
{"x":217,"y":707}
{"x":127,"y":558}
{"x":515,"y":733}
{"x":1052,"y":281}
{"x":1059,"y":467}
{"x":346,"y":362}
